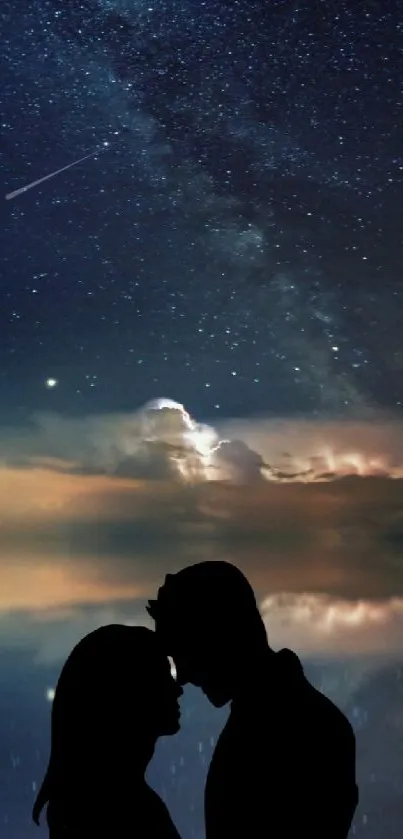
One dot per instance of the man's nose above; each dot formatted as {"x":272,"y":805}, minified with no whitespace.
{"x":179,"y":690}
{"x":181,"y":674}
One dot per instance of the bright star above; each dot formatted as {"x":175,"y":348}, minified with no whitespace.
{"x":51,"y":383}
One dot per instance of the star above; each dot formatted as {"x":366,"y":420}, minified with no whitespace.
{"x":51,"y":383}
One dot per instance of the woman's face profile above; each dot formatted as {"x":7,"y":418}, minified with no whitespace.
{"x":118,"y":683}
{"x":165,"y":701}
{"x":149,"y":698}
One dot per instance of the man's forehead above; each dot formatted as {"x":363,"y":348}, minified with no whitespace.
{"x":169,"y":635}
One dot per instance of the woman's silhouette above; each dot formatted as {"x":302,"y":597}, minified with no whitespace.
{"x":114,"y":698}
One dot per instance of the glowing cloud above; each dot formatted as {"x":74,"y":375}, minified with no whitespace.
{"x":242,"y":453}
{"x":163,"y":441}
{"x":320,"y":624}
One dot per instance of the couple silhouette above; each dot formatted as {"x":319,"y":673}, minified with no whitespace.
{"x":283,"y":766}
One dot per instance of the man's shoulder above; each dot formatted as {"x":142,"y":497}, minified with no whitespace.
{"x":328,"y":714}
{"x":284,"y":703}
{"x":302,"y":702}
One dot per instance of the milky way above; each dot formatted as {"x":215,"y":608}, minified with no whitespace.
{"x":240,"y":234}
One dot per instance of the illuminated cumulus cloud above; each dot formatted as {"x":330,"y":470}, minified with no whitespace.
{"x":189,"y":445}
{"x":280,"y":451}
{"x":317,"y":624}
{"x":195,"y":448}
{"x":158,"y":442}
{"x":162,"y":441}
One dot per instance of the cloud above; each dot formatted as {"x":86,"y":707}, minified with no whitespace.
{"x":320,"y":625}
{"x":162,"y":441}
{"x":50,"y":634}
{"x":33,"y":582}
{"x":241,"y":463}
{"x":320,"y":628}
{"x":103,"y":507}
{"x":326,"y":447}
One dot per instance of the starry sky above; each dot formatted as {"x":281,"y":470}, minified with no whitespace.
{"x":201,"y":352}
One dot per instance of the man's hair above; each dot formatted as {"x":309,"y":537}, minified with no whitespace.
{"x":212,"y":592}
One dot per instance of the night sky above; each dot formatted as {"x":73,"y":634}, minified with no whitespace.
{"x":232,"y":245}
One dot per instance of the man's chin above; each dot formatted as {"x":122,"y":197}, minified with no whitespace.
{"x":217,"y":698}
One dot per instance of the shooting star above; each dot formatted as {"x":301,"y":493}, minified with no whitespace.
{"x":22,"y":189}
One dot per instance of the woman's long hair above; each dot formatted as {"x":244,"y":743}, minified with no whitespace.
{"x":103,"y":703}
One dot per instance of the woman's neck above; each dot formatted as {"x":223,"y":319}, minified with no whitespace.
{"x":115,"y":767}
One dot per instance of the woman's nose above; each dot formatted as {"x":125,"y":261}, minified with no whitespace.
{"x":179,"y":690}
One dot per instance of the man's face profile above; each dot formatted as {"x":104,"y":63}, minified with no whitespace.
{"x":198,"y":613}
{"x":199,"y":662}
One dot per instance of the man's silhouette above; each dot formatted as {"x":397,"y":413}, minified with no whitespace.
{"x":284,"y":764}
{"x":114,"y":698}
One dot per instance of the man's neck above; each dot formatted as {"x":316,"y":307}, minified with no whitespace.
{"x":252,"y":672}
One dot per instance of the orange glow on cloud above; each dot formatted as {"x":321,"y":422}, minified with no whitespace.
{"x":35,"y":585}
{"x":316,"y":623}
{"x":69,"y":537}
{"x":37,"y":493}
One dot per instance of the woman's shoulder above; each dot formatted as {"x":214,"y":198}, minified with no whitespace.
{"x":145,"y":814}
{"x":159,"y":816}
